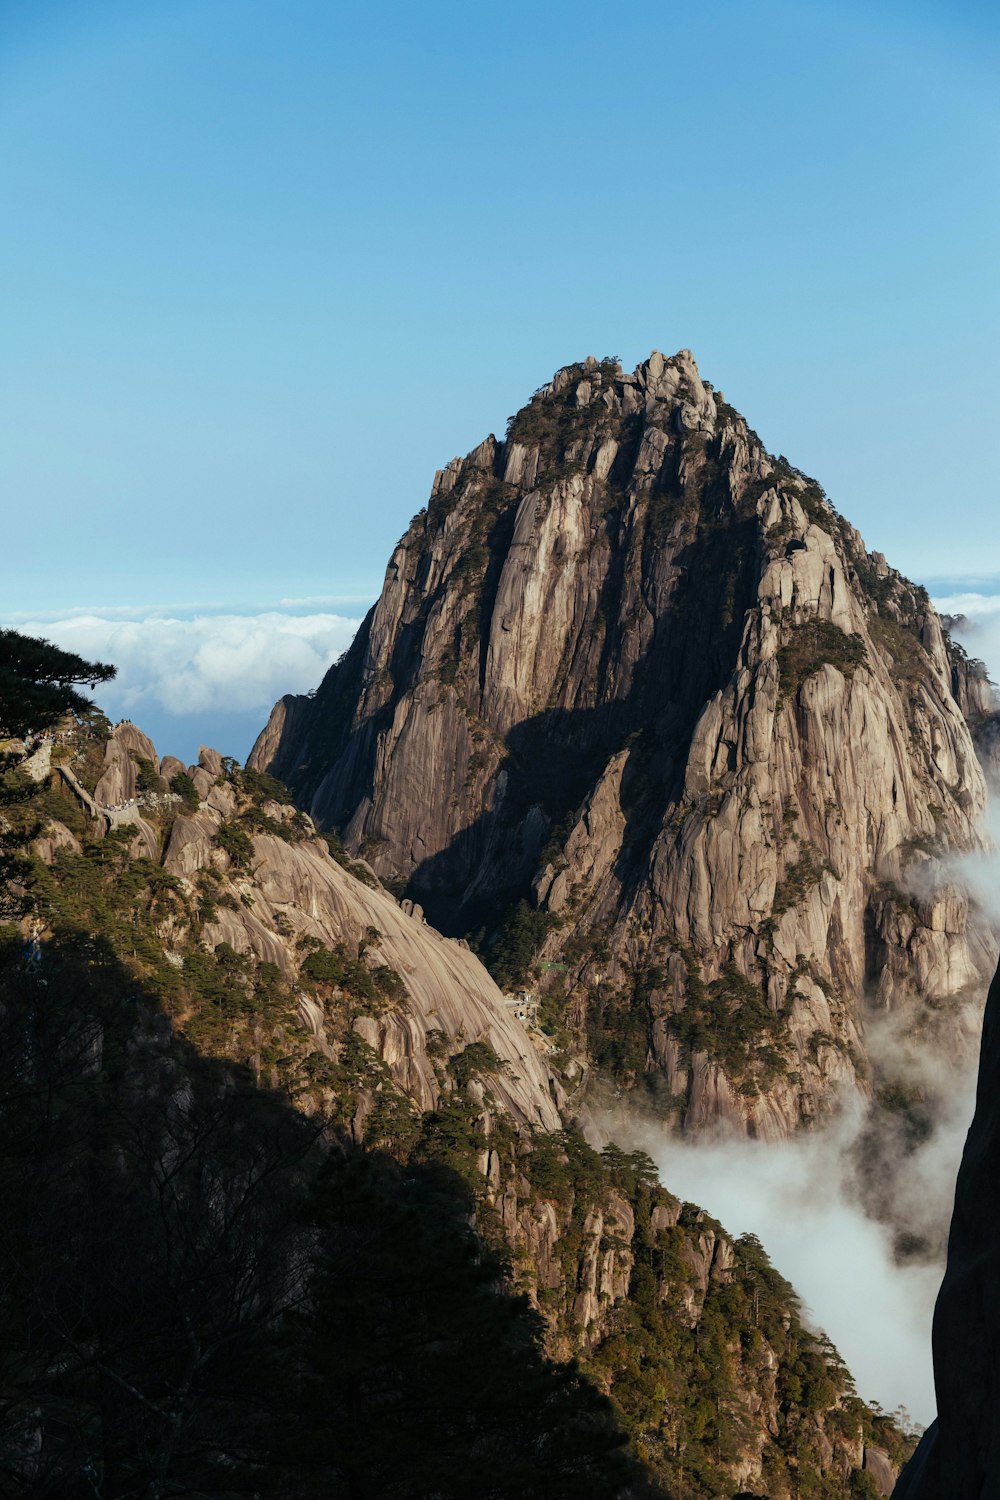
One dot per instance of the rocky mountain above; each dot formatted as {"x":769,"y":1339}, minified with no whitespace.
{"x":639,"y":715}
{"x":286,"y":1161}
{"x":248,"y":874}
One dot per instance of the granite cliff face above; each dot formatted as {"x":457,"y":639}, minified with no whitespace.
{"x":251,"y":874}
{"x":637,"y":707}
{"x":240,"y":964}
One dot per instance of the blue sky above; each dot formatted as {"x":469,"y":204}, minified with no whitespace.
{"x":267,"y":266}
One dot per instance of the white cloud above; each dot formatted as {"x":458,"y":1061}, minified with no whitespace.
{"x":979,"y":630}
{"x":798,"y":1198}
{"x":229,"y":663}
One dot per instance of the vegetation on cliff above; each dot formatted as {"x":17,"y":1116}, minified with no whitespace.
{"x":668,"y":717}
{"x":238,"y":1257}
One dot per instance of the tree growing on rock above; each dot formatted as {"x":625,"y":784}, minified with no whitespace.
{"x":39,"y":683}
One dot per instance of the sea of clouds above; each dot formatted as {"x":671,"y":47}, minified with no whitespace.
{"x":206,"y":674}
{"x":198,"y":675}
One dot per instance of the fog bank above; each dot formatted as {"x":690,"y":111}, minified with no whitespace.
{"x":800,"y":1197}
{"x":201,"y":677}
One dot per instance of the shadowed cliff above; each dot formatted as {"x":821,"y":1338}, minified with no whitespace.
{"x":204,"y":1292}
{"x":959,"y":1457}
{"x":268,"y":1198}
{"x":639,"y":714}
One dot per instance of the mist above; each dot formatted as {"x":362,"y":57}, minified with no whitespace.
{"x":807,"y":1201}
{"x":856,"y":1213}
{"x":975,"y":621}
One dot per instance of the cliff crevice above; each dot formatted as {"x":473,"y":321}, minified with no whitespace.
{"x":639,"y":713}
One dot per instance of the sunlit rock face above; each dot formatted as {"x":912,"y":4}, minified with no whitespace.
{"x":631,"y":668}
{"x":290,"y":892}
{"x":959,"y":1457}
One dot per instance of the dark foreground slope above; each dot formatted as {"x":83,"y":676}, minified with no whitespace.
{"x":639,"y":713}
{"x":959,"y":1457}
{"x":271,"y":1228}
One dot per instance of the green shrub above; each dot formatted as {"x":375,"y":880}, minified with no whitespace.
{"x":352,"y":866}
{"x":815,"y":644}
{"x":798,"y":880}
{"x":436,"y":1042}
{"x":292,"y":832}
{"x":510,"y":954}
{"x":629,"y":1170}
{"x":730,"y":1020}
{"x":262,"y":787}
{"x":237,"y":843}
{"x":148,"y":779}
{"x":389,"y":982}
{"x":183,"y":787}
{"x":902,"y":643}
{"x":335,"y":966}
{"x":476,"y":1058}
{"x":561,"y":1165}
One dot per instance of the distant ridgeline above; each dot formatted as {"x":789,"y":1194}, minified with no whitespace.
{"x":639,"y":716}
{"x":293,"y":1204}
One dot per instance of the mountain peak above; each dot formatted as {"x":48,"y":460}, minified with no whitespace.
{"x":636,"y":701}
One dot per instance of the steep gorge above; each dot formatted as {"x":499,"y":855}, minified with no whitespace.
{"x":639,"y":714}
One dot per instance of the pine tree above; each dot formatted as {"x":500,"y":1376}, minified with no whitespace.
{"x":39,"y":681}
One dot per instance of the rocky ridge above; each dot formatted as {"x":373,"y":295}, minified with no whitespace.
{"x":635,"y":684}
{"x":274,"y":952}
{"x":274,"y":893}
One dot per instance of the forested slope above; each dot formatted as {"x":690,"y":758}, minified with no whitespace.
{"x":256,"y":1240}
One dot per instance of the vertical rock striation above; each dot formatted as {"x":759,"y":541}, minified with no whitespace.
{"x":238,"y":962}
{"x":637,"y":698}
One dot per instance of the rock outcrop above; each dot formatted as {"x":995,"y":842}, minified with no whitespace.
{"x":297,"y":893}
{"x":959,"y":1455}
{"x":278,"y":894}
{"x":119,"y":780}
{"x":239,"y":939}
{"x":636,"y":699}
{"x":289,"y":896}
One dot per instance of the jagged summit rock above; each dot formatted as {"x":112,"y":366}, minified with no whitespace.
{"x":638,"y":707}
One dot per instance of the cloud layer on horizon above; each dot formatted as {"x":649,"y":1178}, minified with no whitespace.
{"x":230,"y":663}
{"x":199,"y":658}
{"x":979,"y":625}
